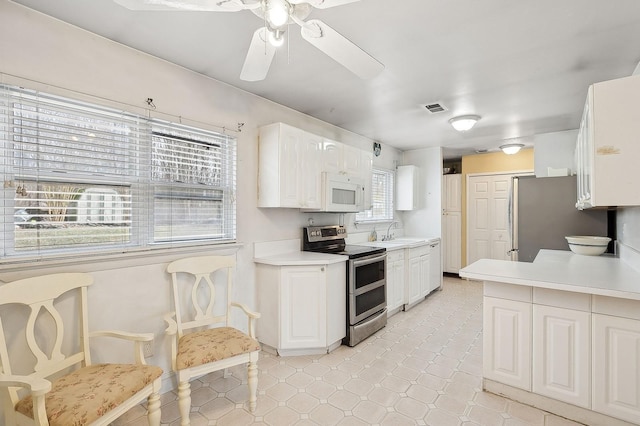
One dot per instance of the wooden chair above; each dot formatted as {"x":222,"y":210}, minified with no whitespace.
{"x":203,"y":341}
{"x":65,"y":389}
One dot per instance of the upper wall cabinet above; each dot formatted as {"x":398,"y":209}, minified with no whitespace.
{"x":406,"y":188}
{"x":289,"y":167}
{"x":291,"y":162}
{"x":608,"y":145}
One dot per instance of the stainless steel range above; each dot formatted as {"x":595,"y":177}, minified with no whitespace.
{"x":366,"y":279}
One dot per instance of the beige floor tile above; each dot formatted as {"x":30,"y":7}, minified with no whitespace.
{"x":282,"y":416}
{"x":439,"y":417}
{"x":326,"y":415}
{"x":370,"y":412}
{"x":303,"y":403}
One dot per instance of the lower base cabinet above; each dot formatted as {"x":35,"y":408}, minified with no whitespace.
{"x":576,"y":348}
{"x":506,"y":342}
{"x":395,"y":280}
{"x":303,"y":308}
{"x":562,"y":354}
{"x":616,"y":367}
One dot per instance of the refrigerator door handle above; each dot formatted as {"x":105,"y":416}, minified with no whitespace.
{"x":513,"y":218}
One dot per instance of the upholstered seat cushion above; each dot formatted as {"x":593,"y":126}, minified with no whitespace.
{"x":84,"y":395}
{"x":214,"y":344}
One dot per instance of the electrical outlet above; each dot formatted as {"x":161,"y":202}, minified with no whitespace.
{"x":147,"y":348}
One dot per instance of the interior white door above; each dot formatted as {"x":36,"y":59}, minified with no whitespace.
{"x":488,"y":217}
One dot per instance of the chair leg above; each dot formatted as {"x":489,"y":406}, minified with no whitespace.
{"x":153,"y":405}
{"x":252,"y":381}
{"x":184,"y":402}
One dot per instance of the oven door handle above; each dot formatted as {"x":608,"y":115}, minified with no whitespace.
{"x":369,"y":260}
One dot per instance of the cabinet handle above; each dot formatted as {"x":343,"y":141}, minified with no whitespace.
{"x":322,"y":269}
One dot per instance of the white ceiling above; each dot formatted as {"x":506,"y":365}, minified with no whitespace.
{"x":524,"y":65}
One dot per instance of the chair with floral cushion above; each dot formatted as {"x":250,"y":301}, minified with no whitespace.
{"x":47,"y":377}
{"x":202,"y":339}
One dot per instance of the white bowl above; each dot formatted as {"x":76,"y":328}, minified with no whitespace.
{"x":588,"y":245}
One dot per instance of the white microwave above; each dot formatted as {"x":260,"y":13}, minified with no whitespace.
{"x":342,"y":193}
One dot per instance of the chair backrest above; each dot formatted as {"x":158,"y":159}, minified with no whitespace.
{"x":40,"y":295}
{"x":196,"y":276}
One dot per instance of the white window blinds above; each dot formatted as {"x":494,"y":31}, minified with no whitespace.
{"x":381,"y":197}
{"x":82,"y":177}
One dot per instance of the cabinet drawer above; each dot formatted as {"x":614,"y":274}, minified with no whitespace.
{"x":419,"y":251}
{"x":395,"y":255}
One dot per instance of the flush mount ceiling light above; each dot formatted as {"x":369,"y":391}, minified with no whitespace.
{"x":511,"y":148}
{"x":464,"y":122}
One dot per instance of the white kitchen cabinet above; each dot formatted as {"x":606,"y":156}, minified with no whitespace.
{"x":342,"y":159}
{"x":289,"y":172}
{"x":616,"y":366}
{"x":395,"y":280}
{"x":562,"y":354}
{"x":507,"y":342}
{"x":417,"y":283}
{"x":452,"y":223}
{"x":303,"y":307}
{"x":407,"y":188}
{"x":435,"y":267}
{"x":607,"y":148}
{"x":452,"y":194}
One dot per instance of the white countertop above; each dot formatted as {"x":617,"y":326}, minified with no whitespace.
{"x":298,"y":258}
{"x":562,"y":270}
{"x":400,"y":243}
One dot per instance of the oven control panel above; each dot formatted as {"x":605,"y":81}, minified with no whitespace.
{"x":326,"y":233}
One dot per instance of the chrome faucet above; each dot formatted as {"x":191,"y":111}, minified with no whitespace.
{"x":389,"y":236}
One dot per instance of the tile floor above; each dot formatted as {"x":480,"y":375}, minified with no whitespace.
{"x":423,"y":368}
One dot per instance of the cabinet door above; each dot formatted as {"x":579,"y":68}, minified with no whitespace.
{"x":451,"y":241}
{"x":425,"y":275}
{"x":290,"y":153}
{"x":331,"y":156}
{"x":352,"y":161}
{"x":453,"y":193}
{"x":616,"y":366}
{"x":414,"y":290}
{"x":367,"y":177}
{"x":562,"y":354}
{"x":507,"y":342}
{"x":395,"y":282}
{"x":435,"y":267}
{"x":310,"y":171}
{"x":303,"y":314}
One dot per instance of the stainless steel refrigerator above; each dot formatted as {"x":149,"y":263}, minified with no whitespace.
{"x":543,"y":212}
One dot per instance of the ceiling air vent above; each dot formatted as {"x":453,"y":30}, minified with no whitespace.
{"x":435,"y":107}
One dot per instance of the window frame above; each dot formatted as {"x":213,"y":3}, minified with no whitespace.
{"x":138,"y":178}
{"x":368,"y":216}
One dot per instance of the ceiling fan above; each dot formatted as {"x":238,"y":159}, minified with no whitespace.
{"x":277,"y":14}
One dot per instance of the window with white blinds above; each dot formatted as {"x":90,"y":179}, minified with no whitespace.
{"x":80,"y":177}
{"x":381,"y":198}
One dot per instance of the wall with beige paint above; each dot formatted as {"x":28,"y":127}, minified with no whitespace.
{"x":492,"y":162}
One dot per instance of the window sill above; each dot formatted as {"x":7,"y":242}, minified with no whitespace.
{"x":87,"y":262}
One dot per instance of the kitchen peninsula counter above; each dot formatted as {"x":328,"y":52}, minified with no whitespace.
{"x":562,"y":270}
{"x":563,"y":334}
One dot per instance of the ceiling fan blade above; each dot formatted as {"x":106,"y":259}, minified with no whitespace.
{"x":188,"y":5}
{"x":323,"y":4}
{"x":341,"y":49}
{"x":259,"y":57}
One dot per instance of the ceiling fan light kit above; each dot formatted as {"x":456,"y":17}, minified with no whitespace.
{"x":276,"y":12}
{"x":464,"y":123}
{"x":275,"y":15}
{"x":511,"y":148}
